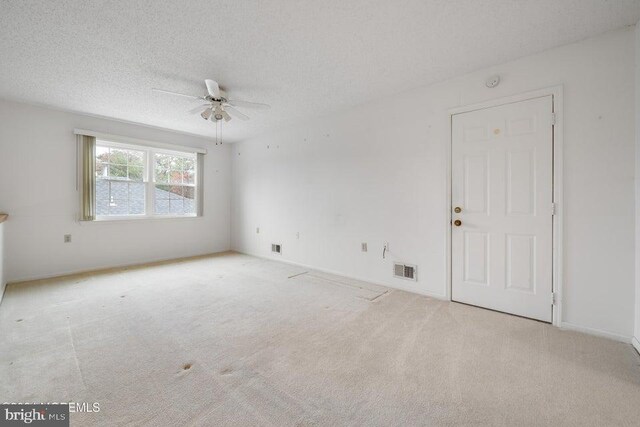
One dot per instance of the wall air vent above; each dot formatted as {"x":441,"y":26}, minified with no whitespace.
{"x":276,"y":248}
{"x":405,"y":271}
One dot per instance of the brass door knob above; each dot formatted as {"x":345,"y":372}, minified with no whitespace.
{"x":457,"y":223}
{"x":457,"y":209}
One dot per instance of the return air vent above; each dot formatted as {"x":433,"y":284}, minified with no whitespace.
{"x":276,"y":248}
{"x":405,"y":271}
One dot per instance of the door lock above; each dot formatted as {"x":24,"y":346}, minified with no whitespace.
{"x":457,"y":223}
{"x":457,"y":209}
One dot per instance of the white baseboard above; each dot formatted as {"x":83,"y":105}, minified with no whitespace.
{"x":348,"y":276}
{"x":596,"y":332}
{"x":636,"y":344}
{"x":105,"y":268}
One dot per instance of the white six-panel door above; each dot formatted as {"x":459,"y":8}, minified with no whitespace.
{"x":502,"y":183}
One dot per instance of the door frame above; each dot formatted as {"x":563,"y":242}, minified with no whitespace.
{"x":556,"y":92}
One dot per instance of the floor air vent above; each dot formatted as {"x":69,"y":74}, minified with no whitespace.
{"x":276,"y":248}
{"x":405,"y":271}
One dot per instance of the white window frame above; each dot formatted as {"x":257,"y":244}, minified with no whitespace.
{"x":149,"y":179}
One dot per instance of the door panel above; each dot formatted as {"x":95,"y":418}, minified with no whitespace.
{"x":476,"y":258}
{"x":502,"y":179}
{"x":521,"y":182}
{"x":521,"y":263}
{"x":476,"y":184}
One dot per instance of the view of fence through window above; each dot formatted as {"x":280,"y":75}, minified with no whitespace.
{"x":174,"y":185}
{"x":122,"y":187}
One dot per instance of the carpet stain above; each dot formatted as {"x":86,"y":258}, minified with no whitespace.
{"x":226,"y":371}
{"x":186,"y":367}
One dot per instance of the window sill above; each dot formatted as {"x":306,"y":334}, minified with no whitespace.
{"x":112,"y":220}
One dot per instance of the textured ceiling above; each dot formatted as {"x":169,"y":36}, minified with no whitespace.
{"x":304,"y":58}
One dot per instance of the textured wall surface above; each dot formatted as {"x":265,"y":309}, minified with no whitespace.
{"x":377,"y":173}
{"x":38,"y":190}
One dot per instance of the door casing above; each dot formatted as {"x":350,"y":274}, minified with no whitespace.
{"x":557,"y":93}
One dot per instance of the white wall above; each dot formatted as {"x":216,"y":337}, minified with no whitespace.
{"x":2,"y":275}
{"x":377,"y":173}
{"x":636,"y":334}
{"x":38,"y":191}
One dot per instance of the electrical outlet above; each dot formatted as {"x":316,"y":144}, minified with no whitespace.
{"x":364,"y":247}
{"x":67,"y":238}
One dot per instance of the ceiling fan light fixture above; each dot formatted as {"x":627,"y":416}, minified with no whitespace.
{"x":218,"y":113}
{"x":206,"y":113}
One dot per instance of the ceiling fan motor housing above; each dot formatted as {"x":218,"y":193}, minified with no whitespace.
{"x":223,"y":97}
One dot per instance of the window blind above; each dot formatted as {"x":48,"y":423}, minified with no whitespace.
{"x":87,"y":181}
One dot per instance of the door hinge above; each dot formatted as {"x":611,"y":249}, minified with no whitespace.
{"x":553,"y":119}
{"x":553,"y":209}
{"x":554,"y":298}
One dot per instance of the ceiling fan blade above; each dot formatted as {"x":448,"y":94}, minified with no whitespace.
{"x":198,"y":109}
{"x":248,"y":104}
{"x":177,"y":94}
{"x":236,"y":113}
{"x":213,"y":88}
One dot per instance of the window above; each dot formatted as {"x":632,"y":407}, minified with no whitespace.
{"x":175,"y":185}
{"x":139,"y":181}
{"x":120,"y":187}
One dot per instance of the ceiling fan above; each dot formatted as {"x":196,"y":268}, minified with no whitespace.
{"x":218,"y":106}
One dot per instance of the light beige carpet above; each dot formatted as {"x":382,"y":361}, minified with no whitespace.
{"x":236,"y":340}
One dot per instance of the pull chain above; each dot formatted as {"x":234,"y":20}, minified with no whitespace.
{"x":218,"y":132}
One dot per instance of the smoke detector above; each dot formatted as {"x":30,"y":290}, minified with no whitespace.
{"x":492,"y":81}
